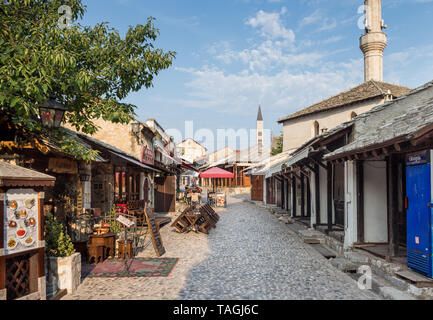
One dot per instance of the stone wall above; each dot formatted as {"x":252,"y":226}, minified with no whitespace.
{"x":66,"y":272}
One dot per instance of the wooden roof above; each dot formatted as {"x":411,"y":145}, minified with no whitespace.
{"x":16,"y":176}
{"x":364,"y":91}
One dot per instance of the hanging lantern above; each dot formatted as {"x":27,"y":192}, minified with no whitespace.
{"x":51,"y":114}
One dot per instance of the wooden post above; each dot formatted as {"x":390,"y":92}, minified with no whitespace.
{"x":294,"y":197}
{"x":329,"y":192}
{"x":302,"y":195}
{"x":392,"y":167}
{"x":317,"y":186}
{"x":360,"y":199}
{"x":308,"y":198}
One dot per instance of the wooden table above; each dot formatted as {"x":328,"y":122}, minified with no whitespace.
{"x":192,"y":219}
{"x":107,"y":240}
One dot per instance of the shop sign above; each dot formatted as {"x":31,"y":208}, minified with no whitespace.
{"x":418,"y":158}
{"x":147,"y":156}
{"x":62,"y":166}
{"x":21,"y":221}
{"x":125,"y":221}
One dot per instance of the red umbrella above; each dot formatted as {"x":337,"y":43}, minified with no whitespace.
{"x":217,"y":173}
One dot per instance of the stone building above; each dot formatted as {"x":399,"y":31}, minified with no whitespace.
{"x":309,"y":122}
{"x":190,"y":150}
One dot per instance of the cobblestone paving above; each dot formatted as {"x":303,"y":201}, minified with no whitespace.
{"x":250,"y":255}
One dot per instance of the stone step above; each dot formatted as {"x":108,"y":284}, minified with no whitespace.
{"x":328,"y":254}
{"x":344,"y":265}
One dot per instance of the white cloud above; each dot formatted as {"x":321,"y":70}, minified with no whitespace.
{"x":271,"y":26}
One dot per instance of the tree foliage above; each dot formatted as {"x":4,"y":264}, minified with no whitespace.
{"x":279,"y":146}
{"x":89,"y":69}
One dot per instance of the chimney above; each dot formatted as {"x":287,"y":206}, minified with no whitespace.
{"x":374,"y":41}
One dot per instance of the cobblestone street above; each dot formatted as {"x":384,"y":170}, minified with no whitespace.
{"x":250,"y":255}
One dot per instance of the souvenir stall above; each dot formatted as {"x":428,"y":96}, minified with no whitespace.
{"x":22,"y":271}
{"x":218,"y":199}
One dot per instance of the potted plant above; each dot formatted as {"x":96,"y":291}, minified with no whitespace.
{"x":63,"y":262}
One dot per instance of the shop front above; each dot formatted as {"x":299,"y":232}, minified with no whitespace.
{"x":22,"y":246}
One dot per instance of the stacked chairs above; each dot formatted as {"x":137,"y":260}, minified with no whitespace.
{"x":199,"y":218}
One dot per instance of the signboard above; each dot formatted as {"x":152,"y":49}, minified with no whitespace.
{"x":418,"y":158}
{"x":154,"y":232}
{"x":147,"y":156}
{"x":62,"y":166}
{"x":21,"y":221}
{"x":125,"y":221}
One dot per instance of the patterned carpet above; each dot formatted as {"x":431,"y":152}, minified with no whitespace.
{"x":138,"y":267}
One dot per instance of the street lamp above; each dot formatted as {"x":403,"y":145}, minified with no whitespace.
{"x":51,"y":113}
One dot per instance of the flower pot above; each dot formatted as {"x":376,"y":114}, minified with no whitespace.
{"x":65,"y":272}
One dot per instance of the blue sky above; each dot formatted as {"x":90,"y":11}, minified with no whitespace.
{"x":281,"y":54}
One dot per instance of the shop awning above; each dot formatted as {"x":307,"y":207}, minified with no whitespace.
{"x":136,"y":162}
{"x":217,"y":173}
{"x":16,"y":176}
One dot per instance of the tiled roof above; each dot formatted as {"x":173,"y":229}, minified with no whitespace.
{"x":10,"y":171}
{"x":417,"y":114}
{"x":364,"y":91}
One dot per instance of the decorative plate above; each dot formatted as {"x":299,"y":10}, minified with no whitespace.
{"x":21,"y":233}
{"x":28,"y":242}
{"x":30,"y":203}
{"x":23,"y":214}
{"x":12,"y":224}
{"x":30,"y":222}
{"x":12,"y":243}
{"x":13,"y":204}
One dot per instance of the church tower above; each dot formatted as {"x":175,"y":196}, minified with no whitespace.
{"x":260,"y":127}
{"x":374,"y":41}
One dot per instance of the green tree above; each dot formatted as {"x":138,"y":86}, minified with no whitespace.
{"x":89,"y":69}
{"x":279,"y":146}
{"x":58,"y":243}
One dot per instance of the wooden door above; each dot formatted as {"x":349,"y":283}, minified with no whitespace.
{"x":257,"y":188}
{"x":165,"y":194}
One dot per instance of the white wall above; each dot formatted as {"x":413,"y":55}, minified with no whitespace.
{"x":298,"y":131}
{"x":375,"y":202}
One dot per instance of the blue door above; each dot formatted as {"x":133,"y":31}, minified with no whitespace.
{"x":419,"y":219}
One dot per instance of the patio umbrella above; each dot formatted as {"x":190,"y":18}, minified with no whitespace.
{"x":215,"y":173}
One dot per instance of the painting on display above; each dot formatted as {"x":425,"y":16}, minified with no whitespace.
{"x":21,"y":221}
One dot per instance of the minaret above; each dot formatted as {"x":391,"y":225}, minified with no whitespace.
{"x":259,"y":128}
{"x":373,"y":42}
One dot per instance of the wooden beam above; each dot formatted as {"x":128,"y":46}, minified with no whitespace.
{"x":317,"y":187}
{"x":329,"y":192}
{"x":385,"y":151}
{"x":397,"y":147}
{"x":294,"y":198}
{"x":302,"y":195}
{"x":319,"y":163}
{"x":313,"y":169}
{"x":375,"y":153}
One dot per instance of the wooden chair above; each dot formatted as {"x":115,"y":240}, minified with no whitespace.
{"x":96,"y":253}
{"x":121,"y":254}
